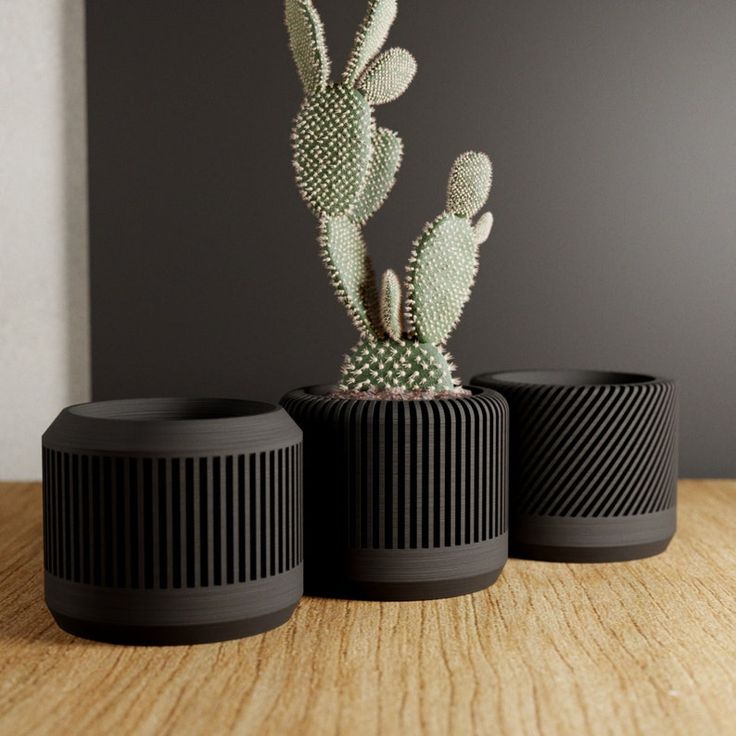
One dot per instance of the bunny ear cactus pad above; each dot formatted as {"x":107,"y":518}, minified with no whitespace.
{"x":391,"y":305}
{"x":469,"y":184}
{"x":345,"y":168}
{"x":370,"y":37}
{"x":381,"y":177}
{"x":440,"y":276}
{"x":388,"y":76}
{"x":482,"y":228}
{"x":307,"y":41}
{"x":444,"y":263}
{"x":332,"y":148}
{"x":351,"y":272}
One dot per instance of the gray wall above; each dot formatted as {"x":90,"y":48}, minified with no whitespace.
{"x":612,"y":126}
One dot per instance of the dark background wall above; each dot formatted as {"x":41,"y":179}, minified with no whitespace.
{"x":612,"y":126}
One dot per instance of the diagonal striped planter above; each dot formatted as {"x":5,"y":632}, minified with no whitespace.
{"x":404,"y":500}
{"x":172,"y":521}
{"x":593,"y":463}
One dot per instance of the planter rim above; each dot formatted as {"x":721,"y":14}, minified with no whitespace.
{"x":571,"y":378}
{"x":171,"y":427}
{"x":171,"y":409}
{"x":321,"y":390}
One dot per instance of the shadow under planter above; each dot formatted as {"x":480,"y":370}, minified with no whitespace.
{"x":404,"y":500}
{"x":593,"y":461}
{"x":172,"y":521}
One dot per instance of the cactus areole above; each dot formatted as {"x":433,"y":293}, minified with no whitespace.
{"x":345,"y":168}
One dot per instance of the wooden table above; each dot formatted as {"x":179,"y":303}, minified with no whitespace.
{"x":640,"y":647}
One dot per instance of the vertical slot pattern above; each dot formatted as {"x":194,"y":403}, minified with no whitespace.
{"x":409,"y":474}
{"x":161,"y":523}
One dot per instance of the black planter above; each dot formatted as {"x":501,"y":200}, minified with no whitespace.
{"x":593,"y":463}
{"x":404,"y":500}
{"x":172,"y":521}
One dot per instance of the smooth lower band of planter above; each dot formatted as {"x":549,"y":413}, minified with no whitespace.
{"x":173,"y":616}
{"x":418,"y":591}
{"x":408,"y":574}
{"x":172,"y":635}
{"x":592,"y":539}
{"x":426,"y":565}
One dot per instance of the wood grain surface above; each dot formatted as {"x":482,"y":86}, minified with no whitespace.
{"x":638,"y":647}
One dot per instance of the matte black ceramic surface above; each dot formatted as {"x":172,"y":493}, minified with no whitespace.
{"x":172,"y":521}
{"x":593,"y":463}
{"x":404,"y":500}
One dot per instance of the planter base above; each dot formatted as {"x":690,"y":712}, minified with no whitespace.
{"x":592,"y":539}
{"x":410,"y":574}
{"x":588,"y":554}
{"x":424,"y":591}
{"x":175,"y":615}
{"x":172,"y":635}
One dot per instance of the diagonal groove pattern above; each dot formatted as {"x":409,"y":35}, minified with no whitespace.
{"x":585,"y":450}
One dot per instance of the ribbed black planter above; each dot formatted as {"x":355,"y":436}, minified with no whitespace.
{"x":404,"y":500}
{"x":593,"y":463}
{"x":172,"y":521}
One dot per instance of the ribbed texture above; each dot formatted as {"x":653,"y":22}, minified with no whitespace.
{"x":416,"y":474}
{"x":171,"y":523}
{"x":592,"y":450}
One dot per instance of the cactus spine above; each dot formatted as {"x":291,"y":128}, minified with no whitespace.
{"x":345,"y":168}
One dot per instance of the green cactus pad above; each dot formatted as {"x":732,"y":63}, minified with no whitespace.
{"x":387,"y":76}
{"x":332,"y":148}
{"x":386,"y":365}
{"x":371,"y":36}
{"x":440,"y":275}
{"x":385,"y":162}
{"x":307,"y":42}
{"x":482,"y":228}
{"x":469,"y":184}
{"x":391,"y":304}
{"x":351,"y":272}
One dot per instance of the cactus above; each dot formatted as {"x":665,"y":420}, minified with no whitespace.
{"x":388,"y":76}
{"x":345,"y":168}
{"x":385,"y":162}
{"x":397,"y":368}
{"x":391,"y":305}
{"x":444,"y":261}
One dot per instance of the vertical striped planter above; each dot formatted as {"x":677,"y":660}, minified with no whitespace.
{"x":404,"y":500}
{"x":593,"y":463}
{"x":172,"y":521}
